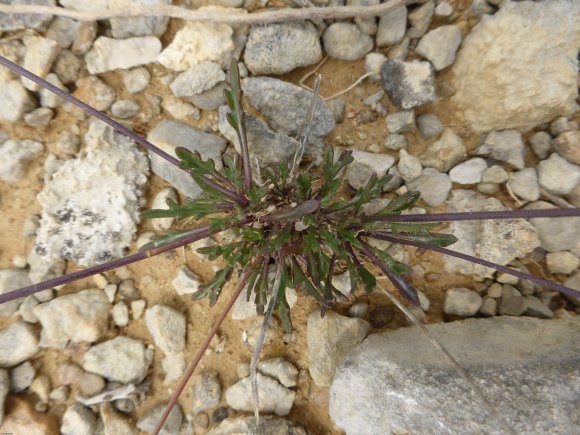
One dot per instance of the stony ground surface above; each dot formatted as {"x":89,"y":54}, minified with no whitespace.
{"x":473,"y":103}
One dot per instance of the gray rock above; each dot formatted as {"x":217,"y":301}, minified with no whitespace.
{"x":206,"y":392}
{"x":25,"y":21}
{"x":125,"y":109}
{"x":469,"y":172}
{"x":141,"y":26}
{"x":555,"y":234}
{"x":445,"y":153}
{"x":392,"y":27}
{"x":505,"y":146}
{"x":401,"y":122}
{"x":443,"y":9}
{"x":21,"y":377}
{"x":136,"y":80}
{"x":366,"y":165}
{"x":250,"y":336}
{"x":18,"y":343}
{"x":168,"y":135}
{"x":4,"y":388}
{"x":498,"y":241}
{"x":12,"y":279}
{"x":269,"y":425}
{"x":95,"y":92}
{"x":395,"y":142}
{"x":396,"y":180}
{"x":462,"y":302}
{"x":562,"y":262}
{"x":174,"y":366}
{"x":185,"y":281}
{"x":63,"y":30}
{"x":268,"y":147}
{"x":429,"y":126}
{"x":420,"y":19}
{"x":67,"y":67}
{"x":78,"y":420}
{"x":512,"y":302}
{"x":524,"y":184}
{"x":409,"y":166}
{"x":79,"y":317}
{"x":120,"y":314}
{"x":286,"y":106}
{"x":561,"y":125}
{"x":408,"y":84}
{"x":39,"y":56}
{"x":433,"y":185}
{"x":557,"y":175}
{"x":367,"y":25}
{"x":281,"y":47}
{"x":110,"y":54}
{"x":440,"y":45}
{"x":567,"y":144}
{"x":40,"y":117}
{"x":197,"y":79}
{"x":574,"y":283}
{"x":168,"y":327}
{"x":373,"y":62}
{"x":489,"y":307}
{"x":330,"y":338}
{"x":149,"y":421}
{"x":211,"y":99}
{"x":420,"y":391}
{"x":16,"y":101}
{"x":535,"y":308}
{"x":280,"y":369}
{"x":495,"y":174}
{"x":121,"y":359}
{"x":345,"y":41}
{"x":541,"y":144}
{"x":273,"y":397}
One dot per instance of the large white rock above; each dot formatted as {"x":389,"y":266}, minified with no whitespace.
{"x":110,"y":54}
{"x":518,"y":68}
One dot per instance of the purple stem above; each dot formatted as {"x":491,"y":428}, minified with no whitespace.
{"x":554,"y":286}
{"x":116,"y":125}
{"x":476,"y":215}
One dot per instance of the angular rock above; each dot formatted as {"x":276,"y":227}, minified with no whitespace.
{"x":113,"y":422}
{"x":468,"y":172}
{"x":185,"y":282}
{"x":78,"y":420}
{"x":495,"y":88}
{"x":197,"y":79}
{"x":136,"y":80}
{"x":408,"y":84}
{"x":395,"y":142}
{"x":524,"y":184}
{"x":495,"y":174}
{"x":286,"y":106}
{"x":419,"y":390}
{"x":141,"y":26}
{"x":433,"y":185}
{"x":401,"y":122}
{"x":429,"y":126}
{"x":462,"y":302}
{"x":206,"y":392}
{"x":12,"y":279}
{"x":79,"y":317}
{"x":567,"y":144}
{"x":16,"y":101}
{"x":345,"y":41}
{"x":210,"y":99}
{"x":168,"y":135}
{"x":445,"y":153}
{"x":330,"y":338}
{"x":274,"y":398}
{"x":535,"y":308}
{"x":63,"y":30}
{"x":365,"y":165}
{"x":555,"y":234}
{"x":420,"y":19}
{"x":40,"y":117}
{"x":269,"y":425}
{"x":440,"y":45}
{"x":95,"y":92}
{"x":121,"y":359}
{"x":541,"y":144}
{"x":562,"y":262}
{"x":392,"y":27}
{"x":110,"y":54}
{"x":557,"y":175}
{"x":149,"y":421}
{"x":40,"y":54}
{"x":273,"y":48}
{"x":49,"y":99}
{"x":18,"y":343}
{"x":409,"y":166}
{"x":167,"y":326}
{"x":512,"y":302}
{"x":25,"y":21}
{"x":505,"y":146}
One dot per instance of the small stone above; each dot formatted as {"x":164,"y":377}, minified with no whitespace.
{"x":12,"y":279}
{"x":125,"y":109}
{"x":67,"y":68}
{"x":172,"y":426}
{"x":253,"y":332}
{"x":185,"y":282}
{"x":160,"y":202}
{"x":59,"y":394}
{"x":337,"y":106}
{"x":555,"y":234}
{"x":281,"y":370}
{"x":557,"y":175}
{"x":489,"y":307}
{"x":90,"y":384}
{"x":392,"y":27}
{"x":535,"y":308}
{"x":420,"y":19}
{"x":505,"y":146}
{"x":433,"y":185}
{"x":408,"y":84}
{"x":197,"y":79}
{"x":120,"y":314}
{"x":201,"y":420}
{"x":62,"y":30}
{"x":401,"y":122}
{"x":18,"y":343}
{"x":345,"y":41}
{"x":562,"y":262}
{"x":95,"y":93}
{"x":211,"y":99}
{"x":495,"y":290}
{"x":40,"y":54}
{"x":507,"y":278}
{"x":373,"y":63}
{"x":443,"y":9}
{"x":206,"y":392}
{"x":440,"y":45}
{"x":16,"y":101}
{"x":409,"y":166}
{"x":179,"y":109}
{"x":468,"y":172}
{"x":380,"y":316}
{"x":429,"y":126}
{"x":174,"y":366}
{"x":445,"y":153}
{"x":136,"y":80}
{"x":121,"y":359}
{"x":359,"y":310}
{"x":561,"y":125}
{"x":365,"y":165}
{"x":113,"y":422}
{"x":495,"y":175}
{"x":524,"y":184}
{"x":21,"y":377}
{"x":138,"y":308}
{"x":272,"y":48}
{"x":41,"y":387}
{"x":25,"y":21}
{"x":512,"y":302}
{"x":110,"y":54}
{"x":78,"y":420}
{"x":138,"y":26}
{"x":541,"y":144}
{"x":274,"y":398}
{"x":219,"y":414}
{"x":395,"y":142}
{"x":86,"y":34}
{"x":462,"y":302}
{"x":127,"y":289}
{"x":567,"y":144}
{"x":167,"y":326}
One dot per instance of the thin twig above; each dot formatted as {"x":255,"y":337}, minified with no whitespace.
{"x":265,"y":17}
{"x":344,"y":91}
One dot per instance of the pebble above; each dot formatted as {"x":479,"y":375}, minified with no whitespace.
{"x":420,"y":19}
{"x":401,"y":122}
{"x":197,"y":79}
{"x":281,"y":370}
{"x":506,"y":278}
{"x":445,"y":153}
{"x":329,"y":341}
{"x":395,"y":142}
{"x":185,"y":281}
{"x":120,"y":314}
{"x":408,"y":84}
{"x":125,"y":109}
{"x":59,"y":394}
{"x":462,"y":302}
{"x":366,"y":165}
{"x":392,"y":27}
{"x":561,"y":125}
{"x":68,"y":143}
{"x":206,"y":392}
{"x":555,"y":234}
{"x":138,"y":308}
{"x":505,"y":146}
{"x":535,"y":308}
{"x":16,"y":101}
{"x":469,"y":172}
{"x":174,"y":366}
{"x":90,"y":384}
{"x":49,"y":99}
{"x":495,"y":290}
{"x":12,"y":279}
{"x":562,"y":262}
{"x":567,"y":144}
{"x":380,"y":316}
{"x":160,"y":202}
{"x":95,"y":92}
{"x":62,"y":30}
{"x":250,"y":336}
{"x":149,"y":420}
{"x":108,"y":54}
{"x":78,"y":420}
{"x":524,"y":184}
{"x":433,"y":185}
{"x":443,"y":9}
{"x":18,"y":343}
{"x":79,"y":317}
{"x":541,"y":144}
{"x":274,"y":398}
{"x":345,"y":41}
{"x":136,"y":79}
{"x":512,"y":302}
{"x":41,"y":387}
{"x":373,"y":63}
{"x":67,"y":67}
{"x":409,"y":166}
{"x":122,"y":359}
{"x":139,"y":26}
{"x":495,"y":174}
{"x":38,"y":59}
{"x":440,"y":45}
{"x":557,"y":175}
{"x":21,"y":377}
{"x":113,"y":422}
{"x":211,"y":99}
{"x":26,"y":21}
{"x":429,"y":126}
{"x":180,"y":109}
{"x":127,"y":289}
{"x":488,"y":307}
{"x":86,"y":34}
{"x":273,"y":48}
{"x":167,"y":326}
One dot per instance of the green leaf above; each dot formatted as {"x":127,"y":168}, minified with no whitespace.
{"x":397,"y":205}
{"x":304,"y":182}
{"x":171,"y":236}
{"x":214,"y":287}
{"x":392,"y":264}
{"x":432,"y":239}
{"x":256,"y":194}
{"x":300,"y":280}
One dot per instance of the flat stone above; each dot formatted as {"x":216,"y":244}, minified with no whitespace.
{"x":440,"y":45}
{"x":365,"y":165}
{"x":18,"y":343}
{"x":197,"y":79}
{"x":185,"y":281}
{"x":462,"y":302}
{"x":433,"y":185}
{"x":408,"y":84}
{"x":345,"y":41}
{"x":78,"y":420}
{"x":557,"y":175}
{"x":40,"y":54}
{"x":110,"y":54}
{"x":392,"y":27}
{"x":555,"y":234}
{"x":274,"y":398}
{"x":567,"y":144}
{"x":445,"y":153}
{"x":524,"y":184}
{"x":167,"y":326}
{"x":206,"y":392}
{"x":25,"y":21}
{"x":468,"y":172}
{"x":140,"y":26}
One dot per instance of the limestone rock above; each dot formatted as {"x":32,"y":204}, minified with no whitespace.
{"x":16,"y":101}
{"x":18,"y":342}
{"x":445,"y":153}
{"x":110,"y":54}
{"x":167,"y":326}
{"x":408,"y":84}
{"x":274,"y":398}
